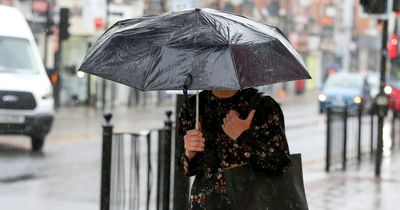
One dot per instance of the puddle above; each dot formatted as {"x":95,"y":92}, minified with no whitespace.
{"x":19,"y":178}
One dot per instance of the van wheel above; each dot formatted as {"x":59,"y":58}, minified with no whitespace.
{"x":37,"y":143}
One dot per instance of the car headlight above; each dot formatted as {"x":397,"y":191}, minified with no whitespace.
{"x":45,"y":93}
{"x":357,"y":99}
{"x":322,"y":97}
{"x":388,"y":90}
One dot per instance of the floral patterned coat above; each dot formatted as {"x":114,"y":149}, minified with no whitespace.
{"x":263,"y":145}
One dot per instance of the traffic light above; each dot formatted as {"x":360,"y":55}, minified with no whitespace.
{"x":374,"y":6}
{"x":396,"y":5}
{"x":64,"y":23}
{"x":392,"y":46}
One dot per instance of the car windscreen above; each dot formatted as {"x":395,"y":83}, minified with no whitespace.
{"x":344,"y":81}
{"x":394,"y":83}
{"x":16,"y":56}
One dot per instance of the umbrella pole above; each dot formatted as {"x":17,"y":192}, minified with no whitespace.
{"x":197,"y":110}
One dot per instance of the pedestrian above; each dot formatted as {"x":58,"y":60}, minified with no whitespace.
{"x":236,"y":127}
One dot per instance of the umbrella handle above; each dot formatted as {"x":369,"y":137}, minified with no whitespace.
{"x":197,"y":110}
{"x":187,"y":83}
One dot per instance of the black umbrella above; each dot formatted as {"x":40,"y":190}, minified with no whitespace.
{"x":203,"y":48}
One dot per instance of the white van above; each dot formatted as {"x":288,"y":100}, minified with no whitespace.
{"x":26,"y":94}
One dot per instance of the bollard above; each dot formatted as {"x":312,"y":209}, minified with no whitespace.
{"x":379,"y":147}
{"x":360,"y":111}
{"x":344,"y":154}
{"x":149,"y":170}
{"x":396,"y":115}
{"x":372,"y":135}
{"x":393,"y":131}
{"x":165,"y":161}
{"x":106,"y":164}
{"x":328,"y":139}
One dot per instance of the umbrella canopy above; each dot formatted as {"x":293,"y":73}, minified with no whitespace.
{"x":218,"y":50}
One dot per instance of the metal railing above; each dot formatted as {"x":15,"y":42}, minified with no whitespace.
{"x":352,"y":135}
{"x":136,"y":168}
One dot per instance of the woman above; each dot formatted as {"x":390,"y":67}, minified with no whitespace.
{"x":236,"y":127}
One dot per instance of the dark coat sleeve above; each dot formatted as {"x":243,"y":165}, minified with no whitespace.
{"x":265,"y":140}
{"x":186,"y":122}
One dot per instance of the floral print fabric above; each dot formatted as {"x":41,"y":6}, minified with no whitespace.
{"x":263,"y":145}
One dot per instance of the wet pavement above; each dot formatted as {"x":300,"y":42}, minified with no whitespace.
{"x":357,"y":188}
{"x":66,"y":175}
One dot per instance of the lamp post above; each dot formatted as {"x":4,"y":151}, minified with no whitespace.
{"x":381,"y":101}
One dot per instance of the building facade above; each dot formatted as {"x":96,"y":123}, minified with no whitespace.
{"x":331,"y":35}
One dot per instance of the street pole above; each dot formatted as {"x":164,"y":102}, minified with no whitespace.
{"x":46,"y":37}
{"x":63,"y":34}
{"x":104,"y":84}
{"x":48,"y":30}
{"x":106,"y":156}
{"x":381,"y":114}
{"x":163,"y":6}
{"x":57,"y":72}
{"x":348,"y":19}
{"x":88,"y":85}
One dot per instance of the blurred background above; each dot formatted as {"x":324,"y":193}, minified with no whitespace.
{"x":341,"y":42}
{"x":331,"y":36}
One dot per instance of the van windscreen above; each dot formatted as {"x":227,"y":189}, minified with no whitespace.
{"x":16,"y":56}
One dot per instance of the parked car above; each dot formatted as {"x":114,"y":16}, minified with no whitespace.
{"x":345,"y":89}
{"x":393,"y":91}
{"x":26,"y":97}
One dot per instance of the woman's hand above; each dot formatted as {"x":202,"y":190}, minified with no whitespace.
{"x":233,"y":126}
{"x":194,"y":142}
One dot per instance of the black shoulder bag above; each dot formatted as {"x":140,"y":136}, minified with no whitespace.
{"x":250,"y":189}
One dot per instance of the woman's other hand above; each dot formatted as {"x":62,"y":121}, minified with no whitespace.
{"x":194,"y":142}
{"x":234,"y":126}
